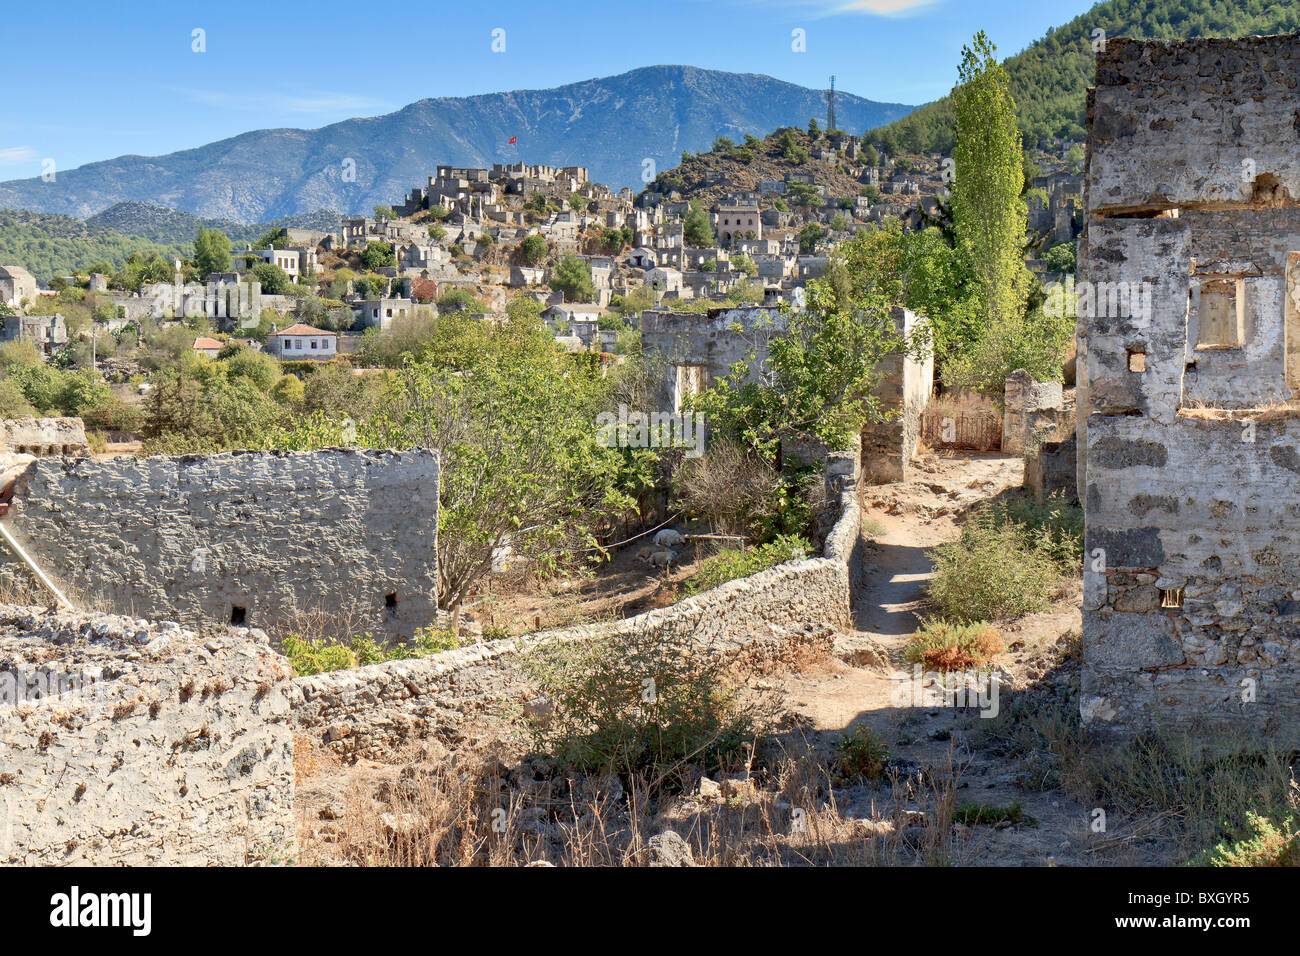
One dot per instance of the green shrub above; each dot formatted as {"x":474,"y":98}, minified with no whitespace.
{"x":950,"y":646}
{"x":990,"y":573}
{"x":629,"y":704}
{"x":1053,"y":527}
{"x":860,"y":755}
{"x":731,"y":564}
{"x":1267,"y":844}
{"x":318,"y":656}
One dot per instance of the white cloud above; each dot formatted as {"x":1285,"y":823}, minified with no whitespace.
{"x":826,"y":8}
{"x":885,"y":8}
{"x":14,"y":155}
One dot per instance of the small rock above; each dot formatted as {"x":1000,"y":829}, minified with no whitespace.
{"x":669,"y":849}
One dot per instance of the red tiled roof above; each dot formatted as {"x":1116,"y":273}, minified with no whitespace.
{"x":301,"y":329}
{"x":203,"y":342}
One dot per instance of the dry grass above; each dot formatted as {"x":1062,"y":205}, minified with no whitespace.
{"x":487,"y":812}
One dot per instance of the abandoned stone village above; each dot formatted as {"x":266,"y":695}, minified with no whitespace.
{"x":150,"y":717}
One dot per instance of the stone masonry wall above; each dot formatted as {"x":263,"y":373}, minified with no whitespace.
{"x":1189,"y":451}
{"x":277,"y":534}
{"x":371,"y":711}
{"x":124,"y":742}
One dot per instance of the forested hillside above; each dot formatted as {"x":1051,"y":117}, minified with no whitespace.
{"x":1050,"y":78}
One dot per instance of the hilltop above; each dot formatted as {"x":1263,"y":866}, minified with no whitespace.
{"x":612,"y":125}
{"x":1050,"y":78}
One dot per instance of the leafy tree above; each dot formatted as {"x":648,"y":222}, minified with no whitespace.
{"x":819,"y":380}
{"x":274,"y":280}
{"x":989,"y":214}
{"x":460,"y":300}
{"x":697,"y":229}
{"x":211,"y":252}
{"x":378,"y":255}
{"x":437,"y":233}
{"x":533,"y":249}
{"x":1060,"y":258}
{"x":384,"y":212}
{"x":809,"y":237}
{"x":572,"y":276}
{"x":520,"y":465}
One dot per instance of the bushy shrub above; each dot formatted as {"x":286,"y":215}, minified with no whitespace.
{"x":860,"y":755}
{"x":990,"y":573}
{"x":734,"y":563}
{"x":1267,"y":844}
{"x":948,"y":646}
{"x":308,"y":656}
{"x":1053,"y":527}
{"x":630,"y":705}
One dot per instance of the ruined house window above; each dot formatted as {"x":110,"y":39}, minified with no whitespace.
{"x":1222,"y":315}
{"x":390,"y":600}
{"x":1137,"y":361}
{"x":1171,"y":597}
{"x":237,"y":614}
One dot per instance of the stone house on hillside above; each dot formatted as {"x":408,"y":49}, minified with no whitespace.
{"x":302,"y":343}
{"x":16,"y":284}
{"x":1188,"y":380}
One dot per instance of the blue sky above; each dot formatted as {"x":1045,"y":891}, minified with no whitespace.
{"x":99,"y":80}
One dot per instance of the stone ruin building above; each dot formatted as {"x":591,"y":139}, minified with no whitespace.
{"x":314,"y":542}
{"x":1189,"y":364}
{"x":697,"y":350}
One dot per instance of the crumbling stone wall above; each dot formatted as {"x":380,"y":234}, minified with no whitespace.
{"x":1190,"y":448}
{"x":43,"y":436}
{"x":906,"y":383}
{"x":260,"y":538}
{"x":1051,"y":471}
{"x":775,"y":615}
{"x":1032,"y":412}
{"x":697,"y":350}
{"x":124,"y":742}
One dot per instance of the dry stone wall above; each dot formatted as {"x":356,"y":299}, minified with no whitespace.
{"x":783,"y":611}
{"x":260,"y":538}
{"x":124,"y":742}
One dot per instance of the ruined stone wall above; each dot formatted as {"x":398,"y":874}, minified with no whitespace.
{"x":712,"y":344}
{"x":774,"y":615}
{"x":906,"y":384}
{"x":1032,"y":412}
{"x":1190,"y":451}
{"x":43,"y":436}
{"x":124,"y":742}
{"x":1051,"y":471}
{"x":262,"y":538}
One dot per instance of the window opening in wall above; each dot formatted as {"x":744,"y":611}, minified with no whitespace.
{"x":1171,"y":597}
{"x":1222,"y":315}
{"x":1137,"y":361}
{"x":390,"y":601}
{"x":237,"y":614}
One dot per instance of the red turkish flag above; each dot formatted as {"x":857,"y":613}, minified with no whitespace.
{"x":513,"y":140}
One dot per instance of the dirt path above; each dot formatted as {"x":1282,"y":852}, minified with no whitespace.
{"x":869,"y":683}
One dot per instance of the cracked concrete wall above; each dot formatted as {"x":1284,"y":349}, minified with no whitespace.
{"x":282,"y":535}
{"x":1189,"y":444}
{"x":126,"y":742}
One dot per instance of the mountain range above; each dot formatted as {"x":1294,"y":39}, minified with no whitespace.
{"x":610,"y":125}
